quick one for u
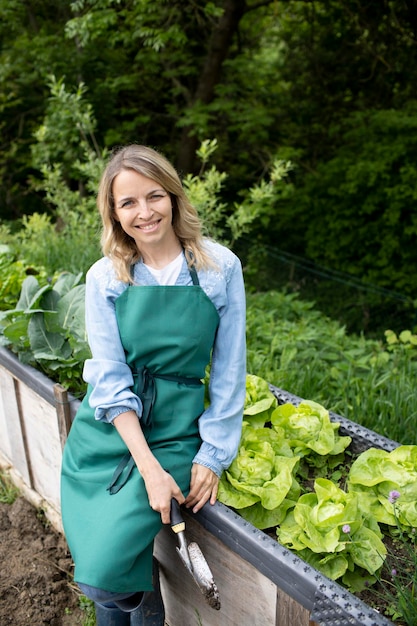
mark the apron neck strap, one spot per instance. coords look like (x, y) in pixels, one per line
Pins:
(194, 275)
(192, 270)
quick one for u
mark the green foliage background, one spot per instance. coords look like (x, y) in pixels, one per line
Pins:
(330, 86)
(294, 132)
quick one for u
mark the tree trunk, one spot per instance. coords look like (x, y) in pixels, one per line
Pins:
(218, 48)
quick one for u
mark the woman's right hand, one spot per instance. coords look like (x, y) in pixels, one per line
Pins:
(160, 485)
(161, 488)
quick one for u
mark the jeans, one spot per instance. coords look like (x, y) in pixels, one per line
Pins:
(101, 596)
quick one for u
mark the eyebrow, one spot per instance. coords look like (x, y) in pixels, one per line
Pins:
(157, 189)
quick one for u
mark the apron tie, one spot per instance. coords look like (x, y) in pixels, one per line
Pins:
(127, 463)
(144, 387)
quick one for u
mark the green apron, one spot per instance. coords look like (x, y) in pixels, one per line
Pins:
(168, 334)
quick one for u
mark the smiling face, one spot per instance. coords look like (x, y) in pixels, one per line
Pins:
(144, 210)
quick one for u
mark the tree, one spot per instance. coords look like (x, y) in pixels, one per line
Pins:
(30, 35)
(267, 79)
(183, 47)
(155, 72)
(346, 99)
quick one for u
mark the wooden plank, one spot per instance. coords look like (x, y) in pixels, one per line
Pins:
(12, 443)
(44, 451)
(289, 612)
(6, 381)
(63, 412)
(247, 597)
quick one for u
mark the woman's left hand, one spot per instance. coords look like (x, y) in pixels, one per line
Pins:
(203, 487)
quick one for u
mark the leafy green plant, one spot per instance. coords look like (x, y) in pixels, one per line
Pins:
(46, 329)
(283, 480)
(87, 606)
(262, 482)
(259, 402)
(393, 591)
(13, 271)
(204, 190)
(70, 163)
(228, 223)
(308, 428)
(296, 347)
(328, 530)
(377, 474)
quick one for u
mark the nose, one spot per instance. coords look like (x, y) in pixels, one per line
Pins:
(144, 212)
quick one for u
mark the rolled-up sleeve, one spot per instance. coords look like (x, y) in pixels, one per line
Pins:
(107, 371)
(221, 423)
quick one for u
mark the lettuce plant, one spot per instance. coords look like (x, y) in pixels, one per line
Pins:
(259, 401)
(328, 529)
(338, 529)
(260, 482)
(377, 474)
(308, 428)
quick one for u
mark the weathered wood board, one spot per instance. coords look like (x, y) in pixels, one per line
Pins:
(43, 444)
(247, 597)
(30, 439)
(12, 442)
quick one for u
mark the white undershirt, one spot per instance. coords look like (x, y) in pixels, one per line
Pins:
(167, 275)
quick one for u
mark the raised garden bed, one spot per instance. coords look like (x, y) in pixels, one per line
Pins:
(260, 582)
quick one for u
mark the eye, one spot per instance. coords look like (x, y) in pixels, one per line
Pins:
(126, 203)
(156, 196)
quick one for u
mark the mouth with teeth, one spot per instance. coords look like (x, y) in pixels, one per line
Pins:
(148, 227)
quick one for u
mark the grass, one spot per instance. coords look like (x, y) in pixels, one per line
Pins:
(8, 491)
(87, 606)
(368, 381)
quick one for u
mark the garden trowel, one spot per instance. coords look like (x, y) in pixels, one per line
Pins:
(193, 559)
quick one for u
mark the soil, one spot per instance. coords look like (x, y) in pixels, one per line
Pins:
(36, 585)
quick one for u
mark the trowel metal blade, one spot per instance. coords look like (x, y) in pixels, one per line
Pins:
(203, 576)
(185, 558)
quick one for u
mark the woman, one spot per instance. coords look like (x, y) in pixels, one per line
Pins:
(161, 304)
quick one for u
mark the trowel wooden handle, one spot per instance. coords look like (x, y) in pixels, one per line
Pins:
(177, 522)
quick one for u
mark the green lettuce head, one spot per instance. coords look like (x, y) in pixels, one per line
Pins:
(376, 474)
(329, 521)
(259, 401)
(308, 427)
(263, 472)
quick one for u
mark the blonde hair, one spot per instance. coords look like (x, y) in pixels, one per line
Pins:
(115, 243)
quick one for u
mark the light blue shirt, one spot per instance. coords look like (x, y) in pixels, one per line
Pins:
(111, 378)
